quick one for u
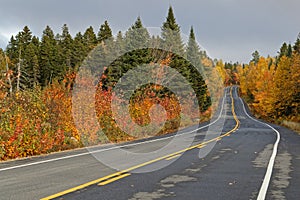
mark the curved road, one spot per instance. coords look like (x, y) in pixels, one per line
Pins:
(249, 160)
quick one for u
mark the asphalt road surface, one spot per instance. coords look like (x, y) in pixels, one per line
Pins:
(234, 156)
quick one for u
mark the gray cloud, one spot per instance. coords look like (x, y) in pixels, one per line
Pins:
(228, 29)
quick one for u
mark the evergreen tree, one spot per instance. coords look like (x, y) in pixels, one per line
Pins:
(17, 51)
(137, 36)
(104, 32)
(297, 45)
(31, 66)
(79, 50)
(89, 39)
(24, 37)
(289, 51)
(119, 44)
(193, 50)
(65, 49)
(36, 42)
(193, 54)
(283, 50)
(171, 34)
(255, 57)
(12, 49)
(19, 43)
(49, 57)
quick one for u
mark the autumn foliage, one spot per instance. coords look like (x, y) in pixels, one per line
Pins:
(271, 86)
(41, 120)
(36, 121)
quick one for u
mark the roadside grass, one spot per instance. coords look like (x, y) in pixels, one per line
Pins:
(292, 125)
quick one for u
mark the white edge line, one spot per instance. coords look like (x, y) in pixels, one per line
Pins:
(115, 147)
(264, 187)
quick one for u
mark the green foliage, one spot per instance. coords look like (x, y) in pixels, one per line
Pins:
(89, 39)
(137, 37)
(38, 118)
(297, 45)
(104, 32)
(272, 88)
(171, 34)
(49, 57)
(255, 57)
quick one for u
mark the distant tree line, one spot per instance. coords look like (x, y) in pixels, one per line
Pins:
(34, 61)
(269, 85)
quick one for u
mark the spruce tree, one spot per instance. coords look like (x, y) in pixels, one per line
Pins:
(12, 49)
(31, 66)
(296, 46)
(255, 57)
(119, 44)
(65, 49)
(289, 51)
(283, 50)
(49, 57)
(79, 51)
(193, 50)
(89, 39)
(137, 36)
(17, 49)
(171, 34)
(104, 32)
(24, 37)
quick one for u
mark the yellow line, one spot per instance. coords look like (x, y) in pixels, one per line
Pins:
(81, 186)
(172, 157)
(113, 179)
(201, 146)
(118, 175)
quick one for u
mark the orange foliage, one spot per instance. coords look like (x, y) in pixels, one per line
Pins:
(272, 91)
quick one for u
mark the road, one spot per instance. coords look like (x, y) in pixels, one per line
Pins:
(249, 160)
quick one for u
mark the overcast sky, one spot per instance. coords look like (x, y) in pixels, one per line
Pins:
(227, 29)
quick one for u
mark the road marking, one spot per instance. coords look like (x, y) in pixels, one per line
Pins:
(201, 146)
(172, 157)
(82, 186)
(125, 172)
(113, 179)
(266, 182)
(116, 147)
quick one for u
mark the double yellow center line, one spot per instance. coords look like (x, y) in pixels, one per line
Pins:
(122, 174)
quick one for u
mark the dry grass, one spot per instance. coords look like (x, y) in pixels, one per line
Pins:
(292, 125)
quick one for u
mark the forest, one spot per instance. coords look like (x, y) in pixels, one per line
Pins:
(38, 76)
(270, 85)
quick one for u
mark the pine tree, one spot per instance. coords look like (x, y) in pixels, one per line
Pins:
(193, 50)
(297, 45)
(79, 51)
(137, 36)
(119, 44)
(20, 42)
(31, 66)
(193, 55)
(65, 49)
(49, 57)
(171, 34)
(104, 32)
(283, 50)
(89, 39)
(289, 51)
(255, 56)
(19, 46)
(12, 49)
